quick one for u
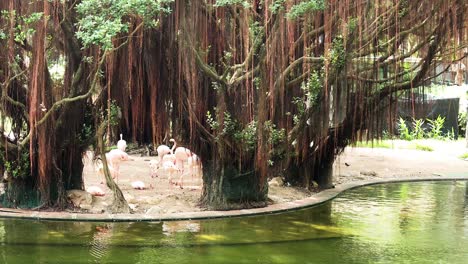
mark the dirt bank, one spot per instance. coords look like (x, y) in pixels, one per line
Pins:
(353, 165)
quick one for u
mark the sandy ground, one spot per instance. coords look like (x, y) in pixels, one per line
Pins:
(364, 163)
(353, 165)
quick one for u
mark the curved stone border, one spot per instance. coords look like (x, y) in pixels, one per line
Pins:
(314, 200)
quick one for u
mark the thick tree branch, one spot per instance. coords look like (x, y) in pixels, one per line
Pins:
(291, 66)
(431, 53)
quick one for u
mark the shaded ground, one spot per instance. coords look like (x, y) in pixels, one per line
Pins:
(354, 164)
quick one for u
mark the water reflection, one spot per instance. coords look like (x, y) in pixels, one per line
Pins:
(407, 222)
(101, 242)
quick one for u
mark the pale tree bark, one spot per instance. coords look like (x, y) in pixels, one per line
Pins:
(119, 204)
(466, 129)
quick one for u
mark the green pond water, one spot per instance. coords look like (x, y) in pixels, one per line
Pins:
(425, 222)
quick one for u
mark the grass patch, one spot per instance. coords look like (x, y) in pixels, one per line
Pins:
(464, 156)
(373, 144)
(417, 146)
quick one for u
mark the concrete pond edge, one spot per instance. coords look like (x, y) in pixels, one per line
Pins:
(314, 200)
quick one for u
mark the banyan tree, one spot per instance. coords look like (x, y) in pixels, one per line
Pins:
(256, 88)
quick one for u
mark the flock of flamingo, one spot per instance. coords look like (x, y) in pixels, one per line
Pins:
(175, 161)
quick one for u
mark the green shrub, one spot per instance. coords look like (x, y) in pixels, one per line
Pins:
(462, 123)
(450, 135)
(387, 135)
(436, 126)
(418, 130)
(404, 130)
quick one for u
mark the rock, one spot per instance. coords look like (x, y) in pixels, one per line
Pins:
(86, 206)
(145, 200)
(6, 175)
(315, 184)
(155, 210)
(130, 198)
(277, 181)
(81, 199)
(369, 173)
(99, 205)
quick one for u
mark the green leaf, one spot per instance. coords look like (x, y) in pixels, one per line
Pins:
(305, 7)
(102, 20)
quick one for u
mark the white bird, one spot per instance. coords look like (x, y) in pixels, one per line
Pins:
(155, 165)
(164, 150)
(122, 144)
(169, 167)
(194, 165)
(169, 157)
(114, 158)
(95, 191)
(138, 185)
(153, 168)
(182, 154)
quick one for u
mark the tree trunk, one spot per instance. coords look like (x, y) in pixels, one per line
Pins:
(324, 174)
(231, 181)
(20, 192)
(225, 187)
(119, 204)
